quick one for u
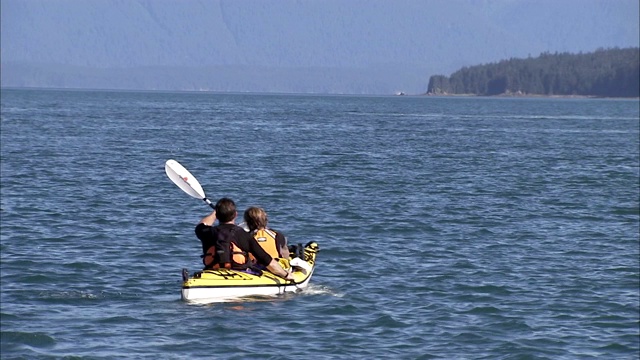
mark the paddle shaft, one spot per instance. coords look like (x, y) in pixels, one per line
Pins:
(209, 203)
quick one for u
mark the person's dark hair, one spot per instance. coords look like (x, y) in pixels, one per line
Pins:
(225, 210)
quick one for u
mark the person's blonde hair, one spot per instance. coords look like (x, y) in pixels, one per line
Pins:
(255, 218)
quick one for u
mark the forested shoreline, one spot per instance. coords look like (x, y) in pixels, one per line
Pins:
(603, 73)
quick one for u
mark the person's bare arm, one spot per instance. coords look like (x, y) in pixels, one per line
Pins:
(284, 250)
(275, 268)
(209, 219)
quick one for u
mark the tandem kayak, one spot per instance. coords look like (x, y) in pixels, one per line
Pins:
(221, 285)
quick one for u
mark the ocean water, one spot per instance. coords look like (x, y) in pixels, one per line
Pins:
(450, 228)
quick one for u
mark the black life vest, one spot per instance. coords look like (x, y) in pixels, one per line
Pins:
(226, 253)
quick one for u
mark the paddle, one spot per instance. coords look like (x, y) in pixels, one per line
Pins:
(185, 181)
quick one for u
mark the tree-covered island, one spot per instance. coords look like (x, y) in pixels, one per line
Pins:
(603, 73)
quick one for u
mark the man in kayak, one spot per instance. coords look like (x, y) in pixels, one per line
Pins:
(229, 246)
(272, 241)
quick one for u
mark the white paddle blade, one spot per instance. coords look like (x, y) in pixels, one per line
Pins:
(183, 178)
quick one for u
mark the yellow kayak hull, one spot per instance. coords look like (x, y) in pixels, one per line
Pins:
(208, 286)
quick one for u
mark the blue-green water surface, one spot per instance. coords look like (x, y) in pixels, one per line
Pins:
(450, 228)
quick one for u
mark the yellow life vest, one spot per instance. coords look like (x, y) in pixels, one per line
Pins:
(267, 239)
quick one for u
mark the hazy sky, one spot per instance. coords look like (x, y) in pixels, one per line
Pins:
(345, 45)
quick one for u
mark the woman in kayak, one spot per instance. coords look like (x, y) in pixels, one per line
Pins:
(273, 242)
(227, 245)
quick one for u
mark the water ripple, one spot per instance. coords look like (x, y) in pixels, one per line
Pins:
(449, 228)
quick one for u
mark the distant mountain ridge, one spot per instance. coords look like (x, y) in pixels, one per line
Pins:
(329, 46)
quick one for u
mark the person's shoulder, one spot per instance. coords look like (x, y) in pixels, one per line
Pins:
(202, 227)
(236, 227)
(245, 239)
(204, 232)
(225, 227)
(277, 232)
(243, 232)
